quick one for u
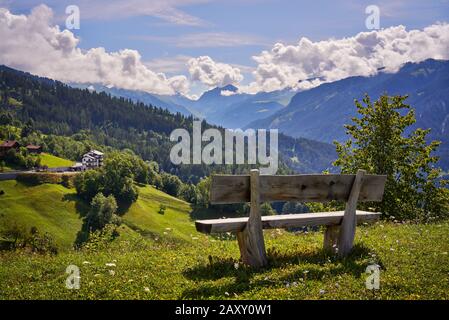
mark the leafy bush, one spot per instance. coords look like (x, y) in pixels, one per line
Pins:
(188, 193)
(203, 188)
(21, 159)
(39, 178)
(41, 243)
(101, 239)
(294, 207)
(171, 184)
(162, 208)
(67, 180)
(266, 209)
(19, 237)
(102, 211)
(88, 184)
(116, 178)
(379, 145)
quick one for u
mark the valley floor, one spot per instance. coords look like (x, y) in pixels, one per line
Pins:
(413, 258)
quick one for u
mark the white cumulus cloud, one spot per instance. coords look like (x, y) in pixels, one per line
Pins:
(212, 73)
(33, 44)
(308, 64)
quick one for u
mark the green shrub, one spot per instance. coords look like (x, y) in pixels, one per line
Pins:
(380, 143)
(102, 238)
(171, 184)
(116, 178)
(102, 211)
(67, 180)
(162, 209)
(39, 178)
(18, 237)
(41, 243)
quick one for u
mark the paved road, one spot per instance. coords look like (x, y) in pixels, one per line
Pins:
(12, 175)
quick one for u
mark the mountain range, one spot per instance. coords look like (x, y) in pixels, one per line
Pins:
(222, 106)
(321, 113)
(58, 109)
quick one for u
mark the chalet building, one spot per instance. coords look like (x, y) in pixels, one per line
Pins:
(93, 159)
(8, 145)
(34, 149)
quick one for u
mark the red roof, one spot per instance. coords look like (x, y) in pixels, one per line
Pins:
(9, 144)
(31, 146)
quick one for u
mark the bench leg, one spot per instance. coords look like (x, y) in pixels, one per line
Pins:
(252, 248)
(331, 235)
(347, 229)
(251, 242)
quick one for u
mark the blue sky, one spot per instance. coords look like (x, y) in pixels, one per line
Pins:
(167, 33)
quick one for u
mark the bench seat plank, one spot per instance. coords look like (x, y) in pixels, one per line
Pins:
(282, 221)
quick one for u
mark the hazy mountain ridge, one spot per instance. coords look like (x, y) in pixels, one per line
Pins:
(218, 106)
(137, 96)
(320, 113)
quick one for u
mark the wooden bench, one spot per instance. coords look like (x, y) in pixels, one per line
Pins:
(253, 188)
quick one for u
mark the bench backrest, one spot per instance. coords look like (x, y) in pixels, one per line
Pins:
(304, 187)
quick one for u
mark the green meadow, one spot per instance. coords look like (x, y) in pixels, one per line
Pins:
(161, 256)
(52, 161)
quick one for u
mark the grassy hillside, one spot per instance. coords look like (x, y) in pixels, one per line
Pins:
(57, 210)
(162, 256)
(144, 218)
(413, 258)
(48, 207)
(52, 161)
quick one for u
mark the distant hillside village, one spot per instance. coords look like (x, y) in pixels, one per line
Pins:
(90, 160)
(13, 144)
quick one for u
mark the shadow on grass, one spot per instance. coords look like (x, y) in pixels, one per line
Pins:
(82, 208)
(218, 268)
(215, 212)
(123, 207)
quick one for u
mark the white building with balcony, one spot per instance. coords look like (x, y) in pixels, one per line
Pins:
(93, 159)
